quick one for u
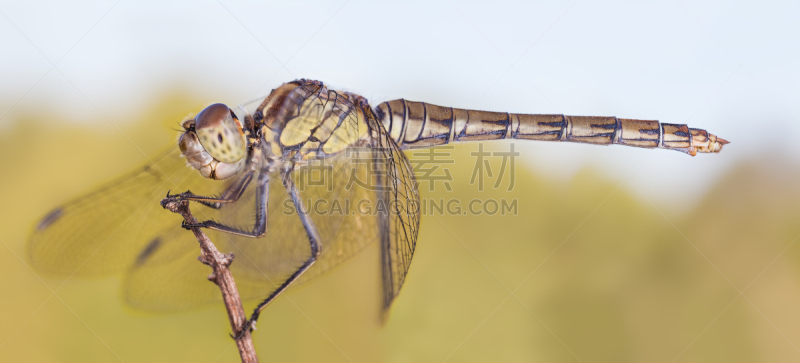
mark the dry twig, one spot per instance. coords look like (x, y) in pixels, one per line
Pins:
(221, 276)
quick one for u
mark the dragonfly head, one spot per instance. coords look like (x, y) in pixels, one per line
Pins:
(214, 142)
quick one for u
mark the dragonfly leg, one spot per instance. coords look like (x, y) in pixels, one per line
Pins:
(260, 227)
(313, 239)
(231, 194)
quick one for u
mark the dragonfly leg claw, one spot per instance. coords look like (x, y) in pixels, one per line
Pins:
(190, 226)
(174, 198)
(249, 325)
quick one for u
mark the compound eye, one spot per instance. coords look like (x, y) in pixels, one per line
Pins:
(220, 133)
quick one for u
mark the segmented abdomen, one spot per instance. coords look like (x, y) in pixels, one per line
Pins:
(419, 124)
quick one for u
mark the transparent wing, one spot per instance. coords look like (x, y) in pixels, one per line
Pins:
(350, 198)
(108, 229)
(357, 196)
(167, 281)
(120, 228)
(261, 265)
(399, 226)
(363, 194)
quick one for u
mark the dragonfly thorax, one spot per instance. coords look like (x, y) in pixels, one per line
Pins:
(214, 142)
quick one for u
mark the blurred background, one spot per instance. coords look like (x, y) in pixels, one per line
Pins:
(616, 254)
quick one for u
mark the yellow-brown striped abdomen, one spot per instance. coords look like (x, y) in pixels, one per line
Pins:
(419, 124)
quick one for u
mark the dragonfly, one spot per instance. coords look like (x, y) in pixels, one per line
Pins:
(263, 172)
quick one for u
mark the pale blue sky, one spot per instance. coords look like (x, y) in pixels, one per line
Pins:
(719, 65)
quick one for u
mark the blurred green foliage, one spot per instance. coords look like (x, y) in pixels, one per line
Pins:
(597, 274)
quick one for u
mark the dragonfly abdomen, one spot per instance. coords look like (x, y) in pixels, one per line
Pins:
(419, 124)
